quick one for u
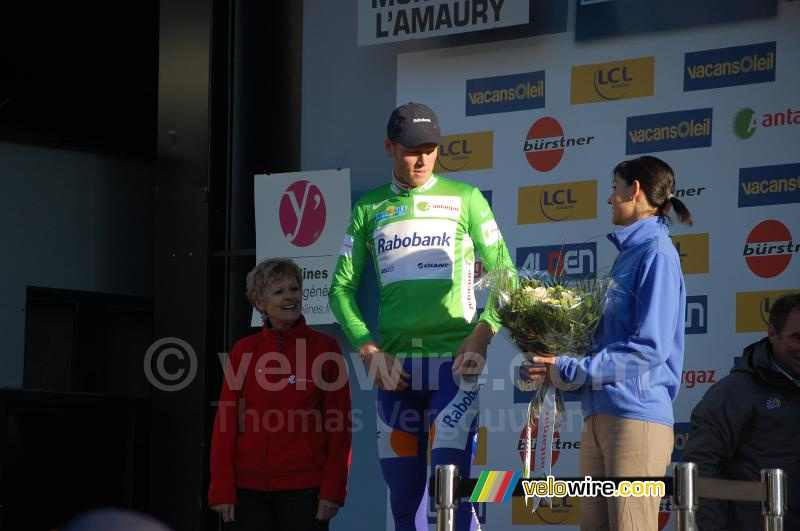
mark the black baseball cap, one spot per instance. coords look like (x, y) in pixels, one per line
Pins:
(413, 124)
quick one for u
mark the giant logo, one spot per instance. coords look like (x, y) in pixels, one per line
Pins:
(727, 67)
(669, 131)
(769, 185)
(696, 314)
(746, 122)
(618, 80)
(545, 144)
(573, 260)
(516, 92)
(557, 202)
(769, 249)
(302, 213)
(466, 152)
(693, 252)
(753, 307)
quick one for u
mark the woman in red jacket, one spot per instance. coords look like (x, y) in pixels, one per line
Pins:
(280, 451)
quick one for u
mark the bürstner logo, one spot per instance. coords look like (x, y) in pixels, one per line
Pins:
(558, 444)
(747, 121)
(618, 80)
(769, 249)
(669, 131)
(727, 67)
(574, 260)
(769, 185)
(545, 144)
(516, 92)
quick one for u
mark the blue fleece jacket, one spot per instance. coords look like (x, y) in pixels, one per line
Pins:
(636, 373)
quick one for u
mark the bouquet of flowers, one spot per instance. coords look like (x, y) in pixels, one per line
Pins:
(546, 315)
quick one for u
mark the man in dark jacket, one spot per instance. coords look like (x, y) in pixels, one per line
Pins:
(750, 420)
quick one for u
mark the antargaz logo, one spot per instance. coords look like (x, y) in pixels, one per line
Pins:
(746, 123)
(557, 202)
(545, 144)
(727, 67)
(769, 249)
(302, 213)
(626, 79)
(692, 378)
(572, 260)
(465, 152)
(769, 185)
(516, 92)
(753, 307)
(669, 131)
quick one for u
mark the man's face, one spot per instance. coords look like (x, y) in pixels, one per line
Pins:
(786, 345)
(412, 165)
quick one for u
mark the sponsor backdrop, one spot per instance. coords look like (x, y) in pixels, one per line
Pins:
(538, 123)
(382, 21)
(302, 215)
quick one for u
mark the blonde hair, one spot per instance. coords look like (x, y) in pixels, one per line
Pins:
(268, 271)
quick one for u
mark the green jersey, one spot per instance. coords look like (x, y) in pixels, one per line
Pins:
(422, 242)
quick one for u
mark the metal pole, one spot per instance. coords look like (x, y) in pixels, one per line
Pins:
(446, 500)
(774, 505)
(686, 495)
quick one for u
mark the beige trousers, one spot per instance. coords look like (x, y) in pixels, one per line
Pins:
(617, 447)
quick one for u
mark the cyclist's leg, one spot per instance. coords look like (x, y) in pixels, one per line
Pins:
(454, 414)
(402, 443)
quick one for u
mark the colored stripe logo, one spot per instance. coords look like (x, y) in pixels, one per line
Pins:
(494, 486)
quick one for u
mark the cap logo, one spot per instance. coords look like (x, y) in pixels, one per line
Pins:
(422, 120)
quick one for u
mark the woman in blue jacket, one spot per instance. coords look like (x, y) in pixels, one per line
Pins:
(628, 386)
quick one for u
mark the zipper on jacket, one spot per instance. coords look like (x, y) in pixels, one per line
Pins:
(280, 342)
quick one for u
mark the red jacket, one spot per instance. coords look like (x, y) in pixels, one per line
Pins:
(284, 419)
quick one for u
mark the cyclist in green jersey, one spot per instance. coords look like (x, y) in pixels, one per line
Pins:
(422, 232)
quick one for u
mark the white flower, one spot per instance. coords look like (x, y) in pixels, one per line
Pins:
(540, 292)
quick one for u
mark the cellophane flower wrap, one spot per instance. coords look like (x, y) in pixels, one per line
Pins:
(546, 315)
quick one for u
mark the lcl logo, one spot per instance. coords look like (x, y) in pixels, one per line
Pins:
(613, 76)
(558, 197)
(455, 148)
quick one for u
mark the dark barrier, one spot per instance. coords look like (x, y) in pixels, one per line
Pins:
(685, 486)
